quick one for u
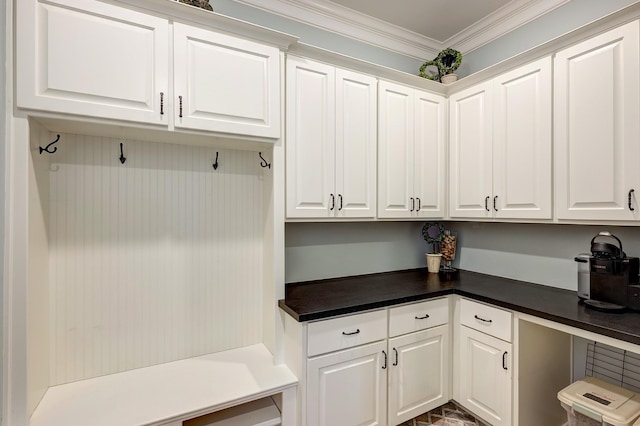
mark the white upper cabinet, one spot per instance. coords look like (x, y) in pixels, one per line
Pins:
(470, 152)
(522, 181)
(597, 131)
(91, 58)
(411, 146)
(331, 142)
(500, 146)
(225, 84)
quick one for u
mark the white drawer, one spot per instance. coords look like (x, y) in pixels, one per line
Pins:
(346, 332)
(418, 316)
(485, 318)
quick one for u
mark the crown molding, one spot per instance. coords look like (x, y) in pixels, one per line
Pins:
(513, 15)
(338, 19)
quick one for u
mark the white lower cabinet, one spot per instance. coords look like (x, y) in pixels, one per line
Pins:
(418, 373)
(348, 388)
(483, 370)
(376, 368)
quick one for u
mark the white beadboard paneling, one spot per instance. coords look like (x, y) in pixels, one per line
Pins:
(154, 260)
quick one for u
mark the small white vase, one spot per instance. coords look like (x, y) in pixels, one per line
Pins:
(449, 78)
(433, 262)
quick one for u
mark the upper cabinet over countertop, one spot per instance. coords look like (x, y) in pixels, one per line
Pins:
(95, 59)
(331, 141)
(500, 146)
(411, 152)
(597, 127)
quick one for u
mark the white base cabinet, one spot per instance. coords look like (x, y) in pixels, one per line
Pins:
(375, 368)
(348, 388)
(485, 376)
(483, 361)
(418, 373)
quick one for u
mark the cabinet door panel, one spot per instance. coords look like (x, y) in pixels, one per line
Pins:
(356, 137)
(484, 376)
(429, 149)
(227, 84)
(596, 126)
(395, 151)
(418, 373)
(522, 142)
(348, 388)
(470, 150)
(91, 58)
(310, 152)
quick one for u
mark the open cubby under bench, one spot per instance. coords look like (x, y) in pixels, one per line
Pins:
(168, 394)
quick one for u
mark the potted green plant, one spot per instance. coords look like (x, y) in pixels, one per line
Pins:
(443, 67)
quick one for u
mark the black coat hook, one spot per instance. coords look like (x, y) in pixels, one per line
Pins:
(264, 162)
(122, 157)
(46, 149)
(215, 164)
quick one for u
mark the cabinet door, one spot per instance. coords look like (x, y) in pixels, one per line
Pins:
(470, 151)
(484, 376)
(91, 58)
(429, 150)
(522, 142)
(356, 137)
(348, 388)
(596, 85)
(225, 84)
(418, 373)
(395, 151)
(310, 153)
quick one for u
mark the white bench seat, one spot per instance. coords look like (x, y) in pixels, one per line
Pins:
(166, 394)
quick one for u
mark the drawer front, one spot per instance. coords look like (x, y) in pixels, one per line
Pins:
(487, 319)
(346, 332)
(418, 316)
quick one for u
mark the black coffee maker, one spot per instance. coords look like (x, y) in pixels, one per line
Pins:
(613, 277)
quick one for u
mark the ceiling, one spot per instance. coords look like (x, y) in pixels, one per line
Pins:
(414, 28)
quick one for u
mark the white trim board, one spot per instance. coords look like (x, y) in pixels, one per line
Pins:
(330, 16)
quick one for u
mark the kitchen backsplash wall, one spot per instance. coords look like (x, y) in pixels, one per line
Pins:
(539, 253)
(153, 260)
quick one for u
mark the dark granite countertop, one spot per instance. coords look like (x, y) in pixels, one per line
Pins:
(320, 299)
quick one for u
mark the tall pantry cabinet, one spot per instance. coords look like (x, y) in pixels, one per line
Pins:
(331, 141)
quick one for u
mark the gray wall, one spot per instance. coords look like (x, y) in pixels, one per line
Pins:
(317, 37)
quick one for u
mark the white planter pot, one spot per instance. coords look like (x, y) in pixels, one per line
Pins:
(433, 262)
